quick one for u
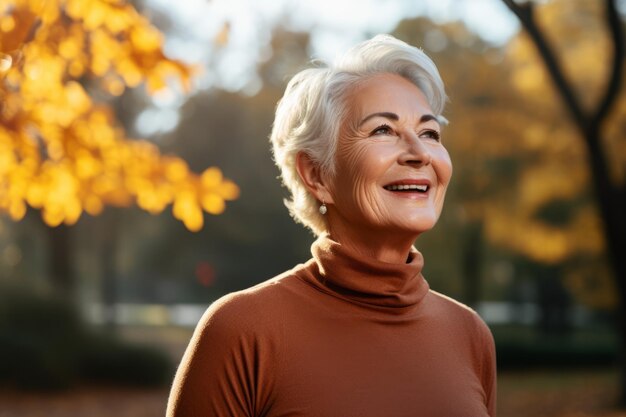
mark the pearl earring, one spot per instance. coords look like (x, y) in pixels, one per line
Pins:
(323, 209)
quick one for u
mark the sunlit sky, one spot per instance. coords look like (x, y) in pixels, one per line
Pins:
(334, 25)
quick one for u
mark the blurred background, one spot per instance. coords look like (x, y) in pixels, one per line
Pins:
(137, 186)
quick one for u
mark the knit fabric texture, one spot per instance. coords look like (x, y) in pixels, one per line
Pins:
(339, 336)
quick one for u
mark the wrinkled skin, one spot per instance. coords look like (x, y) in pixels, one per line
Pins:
(391, 137)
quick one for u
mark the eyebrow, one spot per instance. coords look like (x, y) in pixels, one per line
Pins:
(392, 116)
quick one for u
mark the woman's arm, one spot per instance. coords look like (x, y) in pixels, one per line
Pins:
(216, 375)
(489, 373)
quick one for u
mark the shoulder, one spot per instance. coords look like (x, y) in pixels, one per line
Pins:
(457, 313)
(252, 307)
(468, 328)
(241, 334)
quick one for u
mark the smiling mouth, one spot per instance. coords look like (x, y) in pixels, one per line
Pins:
(420, 188)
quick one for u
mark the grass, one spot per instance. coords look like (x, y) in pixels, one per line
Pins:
(540, 393)
(587, 392)
(558, 393)
(523, 348)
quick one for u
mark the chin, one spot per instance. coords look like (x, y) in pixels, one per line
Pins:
(423, 224)
(424, 229)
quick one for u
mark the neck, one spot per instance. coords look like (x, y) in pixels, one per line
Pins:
(385, 247)
(372, 284)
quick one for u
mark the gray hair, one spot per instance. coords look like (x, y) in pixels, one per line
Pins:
(310, 114)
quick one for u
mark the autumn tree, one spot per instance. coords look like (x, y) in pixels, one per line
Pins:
(521, 184)
(488, 169)
(595, 110)
(61, 150)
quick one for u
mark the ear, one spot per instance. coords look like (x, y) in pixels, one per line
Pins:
(312, 177)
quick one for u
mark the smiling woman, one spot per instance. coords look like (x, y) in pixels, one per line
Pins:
(394, 170)
(355, 331)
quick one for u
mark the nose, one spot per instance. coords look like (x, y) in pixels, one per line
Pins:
(415, 152)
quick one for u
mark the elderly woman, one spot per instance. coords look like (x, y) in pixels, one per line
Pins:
(355, 331)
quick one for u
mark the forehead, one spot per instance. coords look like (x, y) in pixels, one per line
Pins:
(388, 93)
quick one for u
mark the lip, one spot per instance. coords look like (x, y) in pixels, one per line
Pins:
(412, 195)
(417, 181)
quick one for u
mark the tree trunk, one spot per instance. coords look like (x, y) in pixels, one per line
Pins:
(619, 267)
(612, 208)
(108, 226)
(472, 262)
(621, 329)
(61, 271)
(611, 197)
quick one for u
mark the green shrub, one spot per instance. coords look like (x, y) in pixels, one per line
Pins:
(107, 359)
(523, 348)
(44, 344)
(40, 339)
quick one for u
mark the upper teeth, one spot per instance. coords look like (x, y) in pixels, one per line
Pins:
(407, 187)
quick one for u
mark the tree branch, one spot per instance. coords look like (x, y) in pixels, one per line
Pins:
(525, 14)
(615, 80)
(522, 11)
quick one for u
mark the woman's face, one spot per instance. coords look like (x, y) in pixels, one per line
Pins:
(392, 169)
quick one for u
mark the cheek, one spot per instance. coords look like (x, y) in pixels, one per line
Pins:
(347, 182)
(443, 166)
(358, 168)
(352, 166)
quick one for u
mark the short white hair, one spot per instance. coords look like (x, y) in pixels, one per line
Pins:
(310, 114)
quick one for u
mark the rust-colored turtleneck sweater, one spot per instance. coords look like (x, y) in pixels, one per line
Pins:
(339, 336)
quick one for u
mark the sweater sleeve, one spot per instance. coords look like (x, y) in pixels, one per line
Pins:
(218, 374)
(489, 369)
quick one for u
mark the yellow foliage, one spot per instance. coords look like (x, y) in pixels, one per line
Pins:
(213, 204)
(221, 39)
(581, 43)
(543, 183)
(524, 132)
(513, 224)
(524, 235)
(7, 23)
(593, 286)
(62, 153)
(529, 78)
(211, 178)
(615, 143)
(5, 63)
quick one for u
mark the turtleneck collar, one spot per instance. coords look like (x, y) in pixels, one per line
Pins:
(362, 280)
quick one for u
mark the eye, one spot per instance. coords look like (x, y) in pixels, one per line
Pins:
(430, 134)
(382, 130)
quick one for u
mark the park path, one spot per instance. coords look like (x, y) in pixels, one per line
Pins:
(536, 394)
